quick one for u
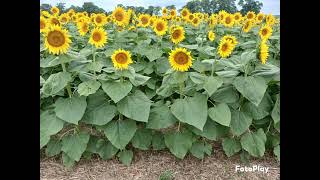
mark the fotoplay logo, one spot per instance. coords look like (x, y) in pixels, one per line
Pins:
(254, 168)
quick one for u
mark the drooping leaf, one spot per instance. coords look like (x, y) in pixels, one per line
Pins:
(231, 146)
(240, 122)
(178, 143)
(74, 145)
(125, 157)
(220, 114)
(117, 90)
(254, 143)
(142, 139)
(71, 109)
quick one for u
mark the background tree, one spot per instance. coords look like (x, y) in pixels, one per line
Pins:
(61, 7)
(250, 5)
(45, 7)
(91, 8)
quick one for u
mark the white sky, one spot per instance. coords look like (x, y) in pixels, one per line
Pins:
(269, 6)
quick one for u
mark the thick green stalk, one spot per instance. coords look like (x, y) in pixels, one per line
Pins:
(68, 85)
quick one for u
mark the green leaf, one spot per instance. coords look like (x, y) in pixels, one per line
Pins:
(247, 56)
(88, 87)
(226, 95)
(220, 114)
(260, 111)
(100, 115)
(276, 152)
(276, 111)
(125, 157)
(50, 124)
(212, 84)
(197, 77)
(135, 106)
(254, 143)
(211, 131)
(120, 132)
(160, 117)
(153, 53)
(252, 88)
(139, 79)
(240, 122)
(191, 110)
(95, 66)
(53, 147)
(231, 146)
(193, 46)
(44, 139)
(106, 150)
(158, 141)
(71, 109)
(142, 139)
(117, 90)
(178, 143)
(56, 82)
(199, 148)
(67, 161)
(74, 145)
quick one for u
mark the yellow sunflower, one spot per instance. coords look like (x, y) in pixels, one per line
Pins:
(211, 35)
(99, 20)
(98, 37)
(221, 15)
(265, 32)
(55, 11)
(83, 28)
(177, 34)
(195, 22)
(185, 13)
(213, 20)
(119, 16)
(45, 14)
(57, 40)
(247, 26)
(190, 17)
(164, 12)
(264, 52)
(225, 48)
(64, 18)
(43, 24)
(231, 38)
(53, 20)
(180, 59)
(250, 15)
(144, 20)
(70, 13)
(121, 59)
(270, 20)
(237, 17)
(259, 17)
(160, 26)
(173, 13)
(228, 20)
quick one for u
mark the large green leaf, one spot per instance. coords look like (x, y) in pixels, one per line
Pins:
(125, 157)
(53, 147)
(158, 141)
(142, 139)
(178, 143)
(211, 131)
(212, 84)
(71, 109)
(276, 152)
(50, 124)
(117, 90)
(220, 114)
(105, 149)
(260, 111)
(135, 106)
(100, 115)
(74, 145)
(56, 82)
(252, 88)
(88, 87)
(225, 95)
(139, 79)
(191, 110)
(153, 53)
(120, 132)
(240, 122)
(44, 139)
(254, 143)
(276, 111)
(67, 161)
(199, 148)
(231, 146)
(160, 117)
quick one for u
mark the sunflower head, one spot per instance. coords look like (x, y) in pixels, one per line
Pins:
(160, 26)
(185, 13)
(99, 20)
(120, 16)
(70, 13)
(250, 15)
(247, 26)
(144, 20)
(221, 15)
(225, 48)
(231, 38)
(64, 18)
(180, 59)
(53, 20)
(265, 32)
(213, 20)
(259, 17)
(173, 13)
(57, 40)
(43, 24)
(270, 20)
(237, 17)
(211, 35)
(55, 11)
(264, 52)
(164, 12)
(98, 37)
(195, 21)
(121, 59)
(228, 20)
(190, 17)
(177, 34)
(83, 28)
(45, 14)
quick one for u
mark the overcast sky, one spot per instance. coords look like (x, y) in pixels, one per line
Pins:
(269, 6)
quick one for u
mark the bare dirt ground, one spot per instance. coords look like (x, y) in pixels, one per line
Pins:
(149, 165)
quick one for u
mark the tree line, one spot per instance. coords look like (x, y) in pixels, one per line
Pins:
(204, 6)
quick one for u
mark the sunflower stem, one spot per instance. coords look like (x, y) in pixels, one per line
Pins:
(68, 84)
(181, 88)
(94, 59)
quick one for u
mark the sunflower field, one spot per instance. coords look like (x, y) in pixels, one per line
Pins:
(111, 84)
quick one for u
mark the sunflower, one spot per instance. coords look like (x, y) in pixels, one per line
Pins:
(259, 17)
(131, 28)
(190, 17)
(99, 20)
(164, 12)
(264, 52)
(225, 48)
(228, 20)
(211, 35)
(43, 24)
(83, 28)
(45, 14)
(55, 11)
(270, 20)
(144, 20)
(177, 34)
(221, 15)
(250, 15)
(195, 22)
(70, 13)
(231, 38)
(185, 13)
(160, 26)
(121, 59)
(53, 20)
(151, 21)
(180, 59)
(213, 20)
(98, 37)
(237, 17)
(247, 26)
(120, 16)
(57, 40)
(265, 32)
(173, 13)
(64, 18)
